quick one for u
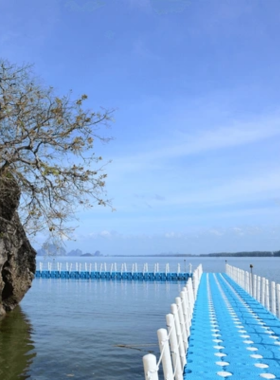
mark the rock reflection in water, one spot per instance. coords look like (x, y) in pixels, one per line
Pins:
(16, 347)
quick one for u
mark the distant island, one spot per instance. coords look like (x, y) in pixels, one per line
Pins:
(218, 254)
(52, 250)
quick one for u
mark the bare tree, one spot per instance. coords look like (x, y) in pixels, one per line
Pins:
(46, 147)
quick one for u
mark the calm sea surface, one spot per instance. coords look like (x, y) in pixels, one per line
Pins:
(97, 329)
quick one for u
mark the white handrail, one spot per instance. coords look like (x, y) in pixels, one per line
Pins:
(176, 340)
(264, 291)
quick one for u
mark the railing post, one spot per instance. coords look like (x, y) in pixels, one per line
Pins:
(188, 306)
(174, 311)
(178, 268)
(248, 287)
(165, 353)
(178, 372)
(251, 281)
(190, 294)
(273, 298)
(263, 291)
(194, 284)
(240, 276)
(185, 313)
(278, 300)
(150, 367)
(259, 289)
(255, 286)
(182, 322)
(267, 294)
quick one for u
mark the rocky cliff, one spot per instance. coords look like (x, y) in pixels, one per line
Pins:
(17, 257)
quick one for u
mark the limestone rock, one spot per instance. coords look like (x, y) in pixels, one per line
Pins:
(17, 257)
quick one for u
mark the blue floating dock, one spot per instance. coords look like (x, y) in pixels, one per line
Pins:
(138, 276)
(232, 335)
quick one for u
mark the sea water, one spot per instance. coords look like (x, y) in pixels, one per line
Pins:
(97, 329)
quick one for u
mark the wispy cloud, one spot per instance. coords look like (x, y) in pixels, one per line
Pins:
(150, 197)
(179, 168)
(249, 188)
(192, 143)
(216, 232)
(105, 234)
(242, 230)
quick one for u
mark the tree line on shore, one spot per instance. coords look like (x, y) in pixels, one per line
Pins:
(245, 254)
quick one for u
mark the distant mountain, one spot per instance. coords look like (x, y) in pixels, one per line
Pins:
(40, 252)
(51, 250)
(78, 252)
(75, 252)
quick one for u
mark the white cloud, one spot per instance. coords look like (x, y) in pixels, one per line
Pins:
(216, 232)
(249, 188)
(193, 143)
(105, 234)
(238, 231)
(154, 165)
(189, 234)
(170, 235)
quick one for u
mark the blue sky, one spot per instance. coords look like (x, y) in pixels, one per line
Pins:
(195, 84)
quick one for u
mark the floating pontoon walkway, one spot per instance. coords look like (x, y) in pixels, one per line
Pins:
(147, 276)
(232, 335)
(217, 330)
(102, 273)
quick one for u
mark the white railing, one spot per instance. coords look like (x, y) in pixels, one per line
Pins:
(173, 342)
(264, 291)
(102, 267)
